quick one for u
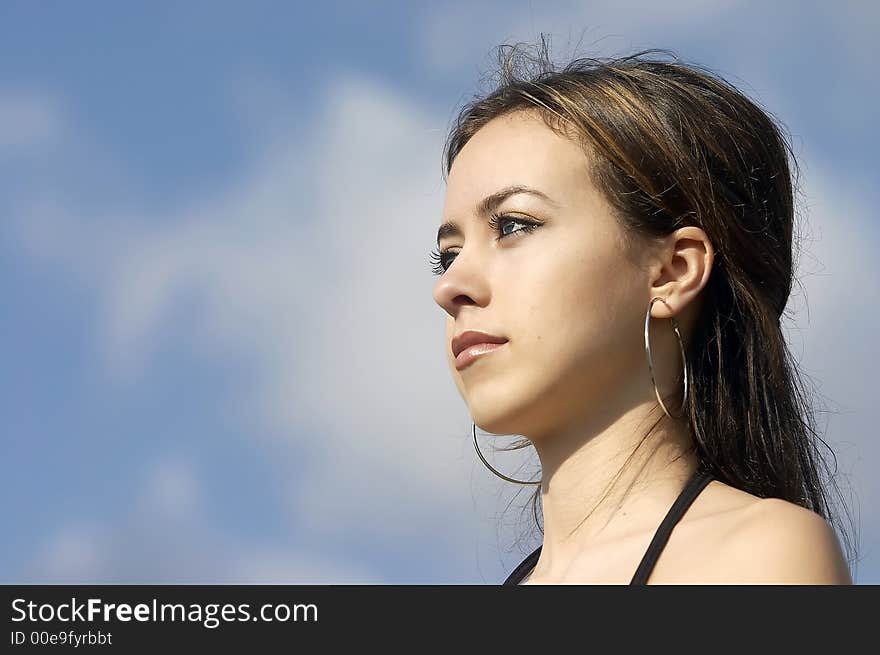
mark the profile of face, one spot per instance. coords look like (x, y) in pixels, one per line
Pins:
(552, 275)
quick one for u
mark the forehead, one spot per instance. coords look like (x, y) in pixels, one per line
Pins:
(517, 148)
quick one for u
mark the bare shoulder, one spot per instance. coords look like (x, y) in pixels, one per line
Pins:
(778, 542)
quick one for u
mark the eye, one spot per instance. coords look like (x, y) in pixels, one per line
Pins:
(442, 260)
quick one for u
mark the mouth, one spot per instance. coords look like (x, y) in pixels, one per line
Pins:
(469, 355)
(471, 344)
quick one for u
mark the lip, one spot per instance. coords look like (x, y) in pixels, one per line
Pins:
(468, 355)
(470, 344)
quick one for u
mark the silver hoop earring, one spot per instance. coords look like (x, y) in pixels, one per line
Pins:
(651, 360)
(490, 467)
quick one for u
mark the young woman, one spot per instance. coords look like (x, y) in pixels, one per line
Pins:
(614, 261)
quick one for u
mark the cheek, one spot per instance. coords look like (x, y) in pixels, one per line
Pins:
(573, 290)
(577, 310)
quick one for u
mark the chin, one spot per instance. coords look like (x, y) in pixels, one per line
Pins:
(497, 417)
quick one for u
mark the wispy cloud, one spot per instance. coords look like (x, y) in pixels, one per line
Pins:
(28, 120)
(307, 268)
(165, 540)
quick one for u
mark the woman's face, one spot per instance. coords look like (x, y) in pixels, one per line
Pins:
(566, 297)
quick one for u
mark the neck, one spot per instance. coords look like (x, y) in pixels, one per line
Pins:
(592, 494)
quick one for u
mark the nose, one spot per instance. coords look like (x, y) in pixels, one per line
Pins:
(463, 283)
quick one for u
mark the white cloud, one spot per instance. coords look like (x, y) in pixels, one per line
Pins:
(173, 489)
(456, 36)
(832, 327)
(312, 268)
(280, 566)
(28, 120)
(74, 552)
(164, 540)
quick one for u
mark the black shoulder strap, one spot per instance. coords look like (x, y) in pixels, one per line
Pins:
(524, 567)
(695, 485)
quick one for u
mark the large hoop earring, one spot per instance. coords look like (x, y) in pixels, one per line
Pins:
(491, 468)
(651, 360)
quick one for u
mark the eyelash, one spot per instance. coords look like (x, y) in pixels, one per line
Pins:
(439, 264)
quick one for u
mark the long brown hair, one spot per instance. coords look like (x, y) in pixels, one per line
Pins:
(674, 144)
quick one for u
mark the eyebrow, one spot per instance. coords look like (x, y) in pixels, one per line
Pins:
(488, 204)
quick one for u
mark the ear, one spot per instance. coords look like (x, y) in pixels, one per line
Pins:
(680, 269)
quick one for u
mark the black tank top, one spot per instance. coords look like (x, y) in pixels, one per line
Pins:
(692, 489)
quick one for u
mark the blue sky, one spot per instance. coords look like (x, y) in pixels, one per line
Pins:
(212, 213)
